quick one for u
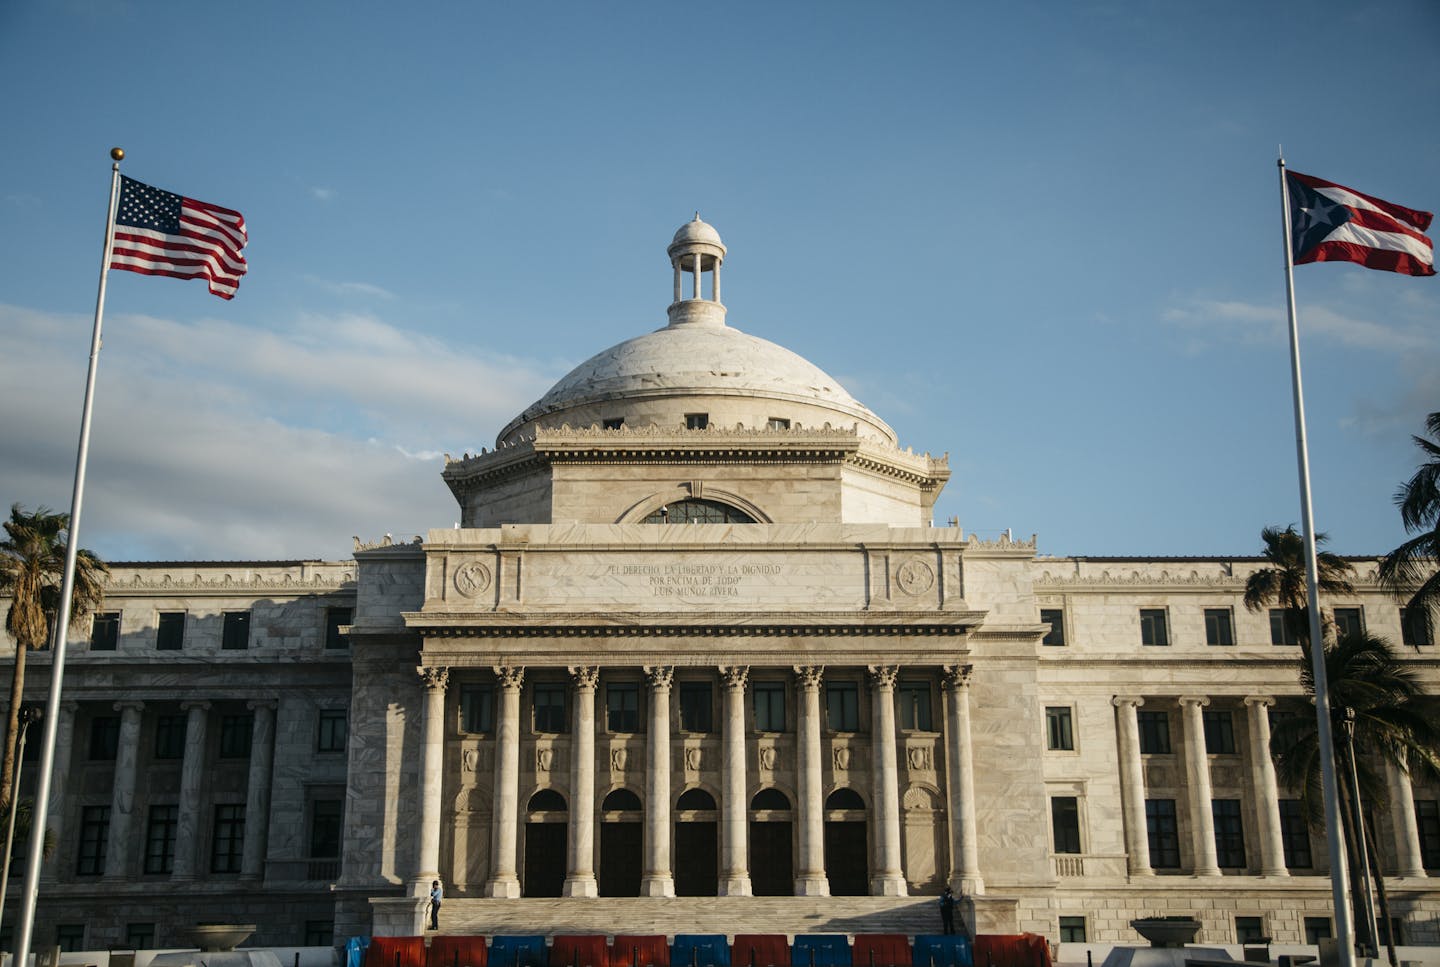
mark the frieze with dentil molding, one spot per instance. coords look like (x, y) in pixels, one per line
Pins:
(1363, 580)
(229, 582)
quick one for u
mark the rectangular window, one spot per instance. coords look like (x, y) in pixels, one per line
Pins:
(622, 707)
(170, 631)
(227, 847)
(1427, 819)
(70, 937)
(160, 839)
(1219, 732)
(769, 702)
(695, 707)
(1163, 833)
(549, 710)
(1154, 732)
(1072, 930)
(94, 836)
(1065, 822)
(105, 631)
(1055, 618)
(170, 736)
(140, 936)
(335, 619)
(1349, 621)
(777, 423)
(914, 706)
(1219, 627)
(697, 421)
(1414, 627)
(1059, 736)
(325, 824)
(332, 730)
(1249, 930)
(104, 737)
(1316, 930)
(477, 709)
(1295, 835)
(1282, 627)
(236, 635)
(1153, 628)
(613, 423)
(842, 707)
(319, 933)
(235, 733)
(1229, 833)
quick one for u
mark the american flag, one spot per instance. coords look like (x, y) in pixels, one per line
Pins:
(158, 232)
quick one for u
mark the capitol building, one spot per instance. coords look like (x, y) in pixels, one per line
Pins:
(696, 649)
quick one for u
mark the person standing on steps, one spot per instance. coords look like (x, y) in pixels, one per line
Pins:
(947, 911)
(437, 894)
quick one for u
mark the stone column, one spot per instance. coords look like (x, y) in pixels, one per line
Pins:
(679, 292)
(1132, 784)
(432, 755)
(715, 277)
(889, 876)
(60, 773)
(257, 798)
(1267, 792)
(1197, 780)
(122, 802)
(192, 781)
(810, 879)
(965, 878)
(1408, 858)
(698, 292)
(659, 879)
(734, 803)
(505, 805)
(580, 858)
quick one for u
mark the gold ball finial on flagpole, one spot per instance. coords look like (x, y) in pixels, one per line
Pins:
(117, 154)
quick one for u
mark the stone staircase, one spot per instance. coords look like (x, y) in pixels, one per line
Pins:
(703, 915)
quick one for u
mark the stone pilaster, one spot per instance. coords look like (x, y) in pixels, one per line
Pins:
(59, 776)
(1132, 784)
(965, 876)
(123, 832)
(810, 879)
(1197, 781)
(888, 878)
(192, 782)
(504, 829)
(432, 755)
(734, 803)
(257, 796)
(659, 878)
(1265, 789)
(580, 855)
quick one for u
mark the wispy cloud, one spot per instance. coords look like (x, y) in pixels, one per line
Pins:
(364, 289)
(1251, 323)
(322, 194)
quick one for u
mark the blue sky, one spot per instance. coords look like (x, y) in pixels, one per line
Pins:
(1041, 237)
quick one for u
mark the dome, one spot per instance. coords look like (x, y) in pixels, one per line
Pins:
(697, 231)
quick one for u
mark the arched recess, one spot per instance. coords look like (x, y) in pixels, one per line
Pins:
(846, 837)
(641, 509)
(545, 836)
(467, 843)
(925, 841)
(697, 844)
(772, 844)
(622, 842)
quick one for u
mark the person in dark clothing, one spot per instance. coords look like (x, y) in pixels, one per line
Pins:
(437, 893)
(947, 911)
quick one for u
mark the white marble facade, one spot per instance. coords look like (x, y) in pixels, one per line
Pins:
(697, 635)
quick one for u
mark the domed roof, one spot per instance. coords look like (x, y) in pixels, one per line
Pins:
(697, 231)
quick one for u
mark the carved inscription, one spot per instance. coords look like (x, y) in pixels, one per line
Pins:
(695, 580)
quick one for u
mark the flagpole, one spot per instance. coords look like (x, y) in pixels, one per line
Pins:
(1334, 834)
(40, 814)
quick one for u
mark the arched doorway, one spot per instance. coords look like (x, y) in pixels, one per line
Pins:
(846, 856)
(697, 846)
(545, 826)
(772, 865)
(621, 844)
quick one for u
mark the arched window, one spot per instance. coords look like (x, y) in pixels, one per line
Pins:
(547, 800)
(844, 799)
(770, 798)
(692, 511)
(621, 799)
(695, 799)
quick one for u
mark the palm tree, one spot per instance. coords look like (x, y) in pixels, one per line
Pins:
(1378, 696)
(32, 564)
(1283, 582)
(1411, 570)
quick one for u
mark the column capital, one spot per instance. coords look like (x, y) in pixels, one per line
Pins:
(584, 676)
(735, 676)
(1120, 701)
(433, 677)
(883, 676)
(203, 706)
(511, 676)
(956, 676)
(659, 676)
(69, 706)
(809, 676)
(1199, 700)
(134, 705)
(1264, 701)
(256, 704)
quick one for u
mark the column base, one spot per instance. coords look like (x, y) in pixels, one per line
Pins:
(1282, 871)
(972, 884)
(663, 886)
(419, 886)
(503, 888)
(1142, 871)
(812, 885)
(580, 886)
(888, 885)
(735, 886)
(1214, 871)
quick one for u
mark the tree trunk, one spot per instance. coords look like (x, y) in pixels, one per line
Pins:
(1386, 931)
(12, 726)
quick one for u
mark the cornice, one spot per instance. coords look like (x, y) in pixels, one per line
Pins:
(1366, 580)
(571, 624)
(230, 583)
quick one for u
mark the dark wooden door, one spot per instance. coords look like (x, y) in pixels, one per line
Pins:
(697, 863)
(544, 859)
(846, 858)
(771, 865)
(620, 858)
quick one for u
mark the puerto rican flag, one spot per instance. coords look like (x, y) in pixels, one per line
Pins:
(1330, 223)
